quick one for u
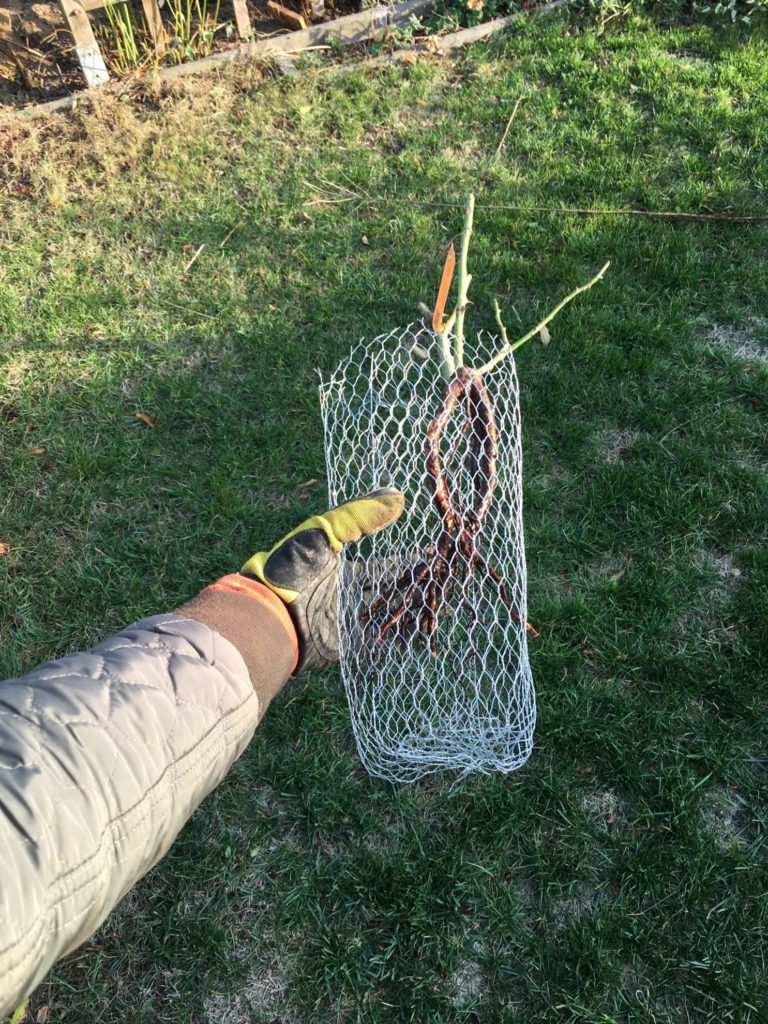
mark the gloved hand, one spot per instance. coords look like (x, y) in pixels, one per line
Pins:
(303, 567)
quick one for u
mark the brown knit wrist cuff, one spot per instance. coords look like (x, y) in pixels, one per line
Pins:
(258, 592)
(256, 621)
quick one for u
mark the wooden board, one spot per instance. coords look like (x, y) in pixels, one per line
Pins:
(155, 26)
(286, 16)
(86, 48)
(242, 19)
(97, 5)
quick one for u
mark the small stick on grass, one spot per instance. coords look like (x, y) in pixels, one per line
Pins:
(227, 237)
(197, 253)
(512, 117)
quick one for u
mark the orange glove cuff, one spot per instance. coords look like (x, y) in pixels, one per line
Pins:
(263, 596)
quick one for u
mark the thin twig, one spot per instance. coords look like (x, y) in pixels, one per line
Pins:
(10, 50)
(509, 125)
(579, 211)
(509, 348)
(186, 309)
(227, 237)
(502, 328)
(197, 253)
(333, 194)
(588, 212)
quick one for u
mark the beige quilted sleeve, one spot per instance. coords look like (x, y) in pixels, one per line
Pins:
(103, 757)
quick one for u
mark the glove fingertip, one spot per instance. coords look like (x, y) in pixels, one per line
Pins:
(377, 509)
(392, 501)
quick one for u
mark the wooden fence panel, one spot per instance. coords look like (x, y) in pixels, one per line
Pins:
(86, 48)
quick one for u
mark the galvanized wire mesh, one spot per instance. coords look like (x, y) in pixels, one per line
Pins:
(447, 685)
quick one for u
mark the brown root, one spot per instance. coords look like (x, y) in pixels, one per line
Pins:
(416, 598)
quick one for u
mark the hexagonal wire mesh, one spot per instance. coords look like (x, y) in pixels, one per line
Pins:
(433, 649)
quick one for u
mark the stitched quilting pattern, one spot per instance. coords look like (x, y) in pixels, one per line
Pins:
(95, 783)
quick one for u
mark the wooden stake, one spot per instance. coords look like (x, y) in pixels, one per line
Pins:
(287, 17)
(155, 26)
(151, 14)
(86, 48)
(242, 19)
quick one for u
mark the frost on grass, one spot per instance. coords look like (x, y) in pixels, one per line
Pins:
(706, 621)
(604, 809)
(724, 564)
(693, 629)
(616, 443)
(557, 476)
(418, 115)
(722, 812)
(583, 904)
(741, 342)
(265, 992)
(690, 58)
(723, 577)
(610, 565)
(467, 983)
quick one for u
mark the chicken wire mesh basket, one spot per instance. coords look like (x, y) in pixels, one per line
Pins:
(432, 612)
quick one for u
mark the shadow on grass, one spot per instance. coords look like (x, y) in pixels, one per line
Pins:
(303, 889)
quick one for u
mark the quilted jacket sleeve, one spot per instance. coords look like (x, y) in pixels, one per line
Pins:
(103, 757)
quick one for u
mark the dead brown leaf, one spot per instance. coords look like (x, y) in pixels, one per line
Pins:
(8, 412)
(364, 240)
(445, 286)
(4, 548)
(34, 453)
(43, 1014)
(545, 336)
(308, 483)
(145, 418)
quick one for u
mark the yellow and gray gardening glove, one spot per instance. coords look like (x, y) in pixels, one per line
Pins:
(303, 568)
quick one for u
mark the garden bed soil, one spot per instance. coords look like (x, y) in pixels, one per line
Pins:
(37, 61)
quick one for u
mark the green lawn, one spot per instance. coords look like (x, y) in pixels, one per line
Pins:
(621, 875)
